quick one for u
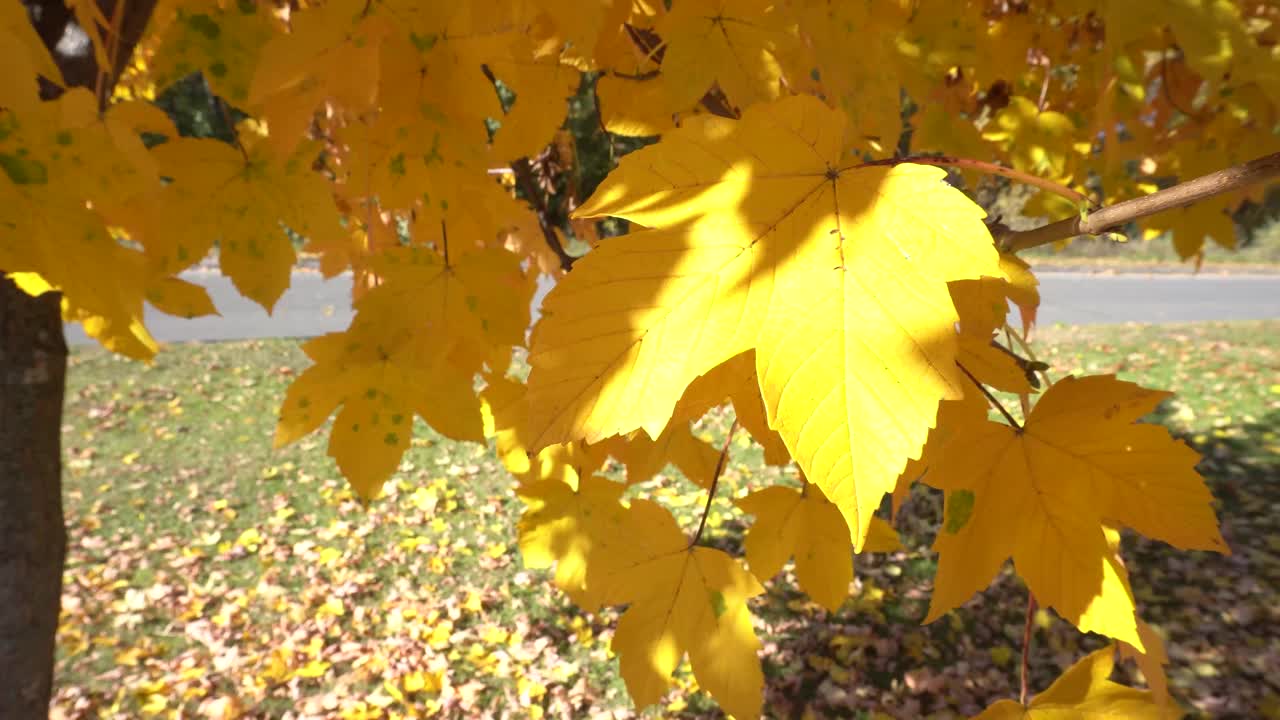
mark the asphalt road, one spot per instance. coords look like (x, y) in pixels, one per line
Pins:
(313, 305)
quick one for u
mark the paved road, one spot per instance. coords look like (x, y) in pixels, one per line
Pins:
(315, 305)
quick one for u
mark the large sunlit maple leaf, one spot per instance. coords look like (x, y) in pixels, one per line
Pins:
(683, 599)
(1040, 494)
(770, 238)
(1085, 691)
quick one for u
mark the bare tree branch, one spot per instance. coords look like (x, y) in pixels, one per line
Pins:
(524, 179)
(1181, 195)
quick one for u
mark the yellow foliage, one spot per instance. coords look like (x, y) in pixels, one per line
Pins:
(1084, 690)
(764, 240)
(1040, 494)
(852, 310)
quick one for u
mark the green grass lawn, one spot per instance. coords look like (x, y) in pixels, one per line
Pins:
(209, 574)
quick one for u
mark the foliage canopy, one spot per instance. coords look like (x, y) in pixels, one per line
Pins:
(797, 252)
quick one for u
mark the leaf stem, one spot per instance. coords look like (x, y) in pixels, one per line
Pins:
(444, 240)
(715, 482)
(1026, 647)
(990, 398)
(1023, 345)
(991, 169)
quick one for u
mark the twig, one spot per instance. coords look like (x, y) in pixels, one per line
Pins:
(990, 398)
(1026, 647)
(1098, 221)
(523, 170)
(991, 169)
(1044, 87)
(715, 483)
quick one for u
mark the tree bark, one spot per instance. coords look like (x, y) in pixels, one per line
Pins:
(33, 365)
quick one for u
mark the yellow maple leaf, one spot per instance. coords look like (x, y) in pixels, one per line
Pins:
(982, 305)
(645, 457)
(1039, 494)
(854, 58)
(1190, 226)
(834, 273)
(1037, 142)
(379, 386)
(181, 298)
(223, 40)
(65, 172)
(634, 106)
(504, 410)
(24, 56)
(1151, 662)
(683, 599)
(331, 53)
(542, 84)
(240, 201)
(803, 523)
(1084, 690)
(740, 44)
(570, 529)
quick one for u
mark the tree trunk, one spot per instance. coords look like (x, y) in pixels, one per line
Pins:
(33, 541)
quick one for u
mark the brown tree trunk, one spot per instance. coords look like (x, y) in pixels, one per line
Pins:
(33, 366)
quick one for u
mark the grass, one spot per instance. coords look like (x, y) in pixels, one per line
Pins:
(210, 574)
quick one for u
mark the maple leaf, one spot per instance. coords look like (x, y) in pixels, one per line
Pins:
(1151, 662)
(240, 201)
(804, 524)
(683, 599)
(835, 274)
(982, 305)
(741, 45)
(645, 457)
(542, 84)
(390, 365)
(23, 56)
(853, 47)
(1084, 691)
(1037, 141)
(221, 40)
(571, 528)
(1191, 225)
(67, 175)
(330, 53)
(504, 412)
(1042, 492)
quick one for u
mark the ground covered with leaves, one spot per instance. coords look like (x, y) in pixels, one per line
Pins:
(210, 576)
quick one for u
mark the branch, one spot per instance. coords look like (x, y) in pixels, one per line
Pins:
(524, 178)
(1181, 195)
